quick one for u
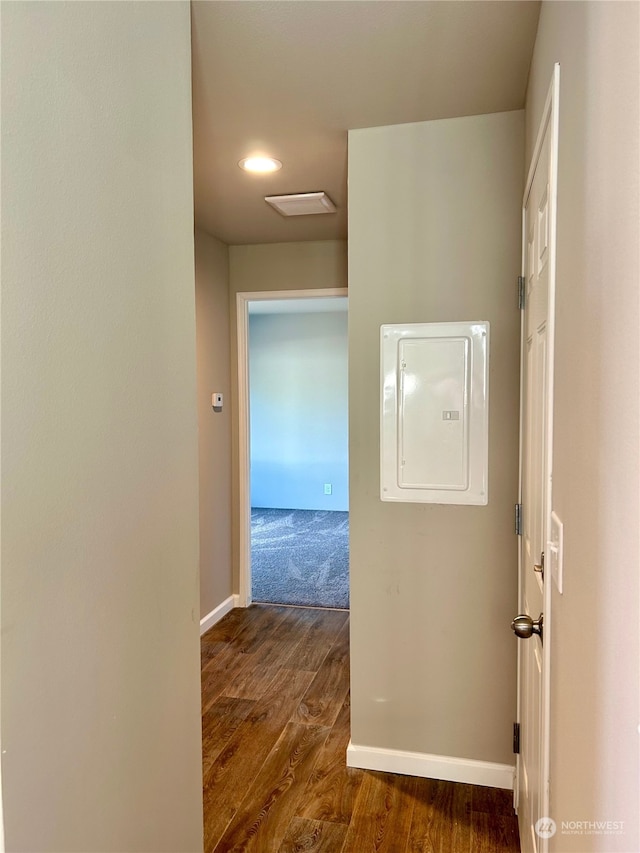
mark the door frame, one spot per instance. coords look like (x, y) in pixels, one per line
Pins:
(549, 119)
(244, 449)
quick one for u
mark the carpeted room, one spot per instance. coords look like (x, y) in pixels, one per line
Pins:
(299, 453)
(300, 557)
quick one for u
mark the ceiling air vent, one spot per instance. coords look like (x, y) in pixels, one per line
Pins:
(301, 204)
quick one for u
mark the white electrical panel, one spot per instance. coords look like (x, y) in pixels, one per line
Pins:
(434, 424)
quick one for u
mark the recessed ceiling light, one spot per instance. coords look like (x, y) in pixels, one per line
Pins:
(260, 165)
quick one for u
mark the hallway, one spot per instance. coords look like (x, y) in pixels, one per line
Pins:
(275, 722)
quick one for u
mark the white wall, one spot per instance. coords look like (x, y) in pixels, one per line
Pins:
(434, 235)
(298, 401)
(214, 428)
(595, 764)
(100, 663)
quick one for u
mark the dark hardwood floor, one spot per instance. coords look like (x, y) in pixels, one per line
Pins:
(275, 728)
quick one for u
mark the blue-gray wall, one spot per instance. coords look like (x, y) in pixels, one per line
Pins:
(298, 403)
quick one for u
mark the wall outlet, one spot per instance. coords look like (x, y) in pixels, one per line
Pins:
(327, 488)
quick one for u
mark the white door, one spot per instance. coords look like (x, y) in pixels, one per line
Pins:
(536, 434)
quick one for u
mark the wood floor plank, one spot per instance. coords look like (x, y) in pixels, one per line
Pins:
(209, 650)
(382, 815)
(332, 788)
(492, 801)
(494, 834)
(260, 623)
(313, 836)
(283, 645)
(240, 761)
(267, 622)
(252, 679)
(219, 724)
(290, 668)
(322, 702)
(276, 650)
(261, 821)
(322, 634)
(219, 672)
(236, 620)
(441, 821)
(229, 664)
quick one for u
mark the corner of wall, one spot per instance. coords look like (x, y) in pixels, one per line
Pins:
(214, 427)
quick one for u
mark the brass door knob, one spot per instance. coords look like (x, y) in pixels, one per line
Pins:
(523, 626)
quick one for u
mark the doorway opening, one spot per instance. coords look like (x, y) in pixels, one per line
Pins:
(294, 525)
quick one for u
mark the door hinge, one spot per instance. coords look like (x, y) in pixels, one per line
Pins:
(518, 519)
(516, 738)
(521, 292)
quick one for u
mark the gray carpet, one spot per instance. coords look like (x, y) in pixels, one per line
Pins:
(300, 556)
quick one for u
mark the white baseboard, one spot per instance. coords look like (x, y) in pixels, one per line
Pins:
(217, 613)
(431, 766)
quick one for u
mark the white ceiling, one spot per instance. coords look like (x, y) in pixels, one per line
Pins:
(289, 78)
